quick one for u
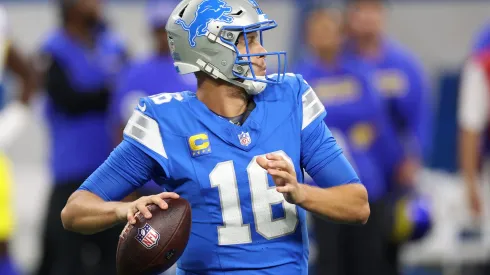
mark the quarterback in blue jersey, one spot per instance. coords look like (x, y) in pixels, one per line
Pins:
(236, 150)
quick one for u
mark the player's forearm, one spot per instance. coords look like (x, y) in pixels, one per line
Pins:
(469, 156)
(86, 213)
(346, 203)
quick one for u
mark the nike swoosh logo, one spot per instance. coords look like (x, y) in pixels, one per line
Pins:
(142, 108)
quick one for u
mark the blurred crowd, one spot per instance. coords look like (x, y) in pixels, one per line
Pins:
(375, 90)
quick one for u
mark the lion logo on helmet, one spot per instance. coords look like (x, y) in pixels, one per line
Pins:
(206, 12)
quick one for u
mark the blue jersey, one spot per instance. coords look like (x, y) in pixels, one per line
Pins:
(356, 119)
(240, 223)
(399, 77)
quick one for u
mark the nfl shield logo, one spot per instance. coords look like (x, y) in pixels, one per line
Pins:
(244, 138)
(148, 236)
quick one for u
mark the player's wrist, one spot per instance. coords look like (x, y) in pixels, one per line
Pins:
(302, 198)
(120, 211)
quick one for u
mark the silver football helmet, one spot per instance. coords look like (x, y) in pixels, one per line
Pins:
(203, 35)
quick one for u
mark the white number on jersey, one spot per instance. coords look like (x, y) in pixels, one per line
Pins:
(166, 97)
(263, 197)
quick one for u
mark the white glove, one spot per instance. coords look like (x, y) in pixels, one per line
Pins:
(13, 118)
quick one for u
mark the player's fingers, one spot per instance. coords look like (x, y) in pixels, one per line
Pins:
(282, 174)
(159, 201)
(263, 163)
(278, 181)
(280, 164)
(168, 195)
(284, 189)
(142, 207)
(130, 216)
(287, 178)
(272, 156)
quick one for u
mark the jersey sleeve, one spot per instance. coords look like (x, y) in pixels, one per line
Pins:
(323, 159)
(311, 108)
(144, 131)
(126, 169)
(321, 156)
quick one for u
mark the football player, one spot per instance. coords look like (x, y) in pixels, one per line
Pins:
(235, 149)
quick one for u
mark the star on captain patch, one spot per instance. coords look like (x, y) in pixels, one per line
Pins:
(244, 138)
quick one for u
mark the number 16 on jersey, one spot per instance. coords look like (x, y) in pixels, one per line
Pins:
(263, 197)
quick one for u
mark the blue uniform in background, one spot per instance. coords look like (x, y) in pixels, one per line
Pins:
(240, 223)
(356, 119)
(402, 84)
(74, 115)
(78, 81)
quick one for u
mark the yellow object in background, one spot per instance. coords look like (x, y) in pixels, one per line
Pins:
(6, 211)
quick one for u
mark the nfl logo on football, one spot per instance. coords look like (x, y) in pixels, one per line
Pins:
(148, 236)
(244, 138)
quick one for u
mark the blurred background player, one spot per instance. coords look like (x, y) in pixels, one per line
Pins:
(12, 118)
(79, 63)
(152, 75)
(474, 135)
(357, 121)
(473, 118)
(399, 77)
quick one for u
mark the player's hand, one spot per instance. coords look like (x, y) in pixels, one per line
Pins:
(284, 177)
(127, 211)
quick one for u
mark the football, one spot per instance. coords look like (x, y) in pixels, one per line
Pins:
(154, 245)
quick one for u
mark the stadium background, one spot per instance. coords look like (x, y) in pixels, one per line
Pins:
(439, 32)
